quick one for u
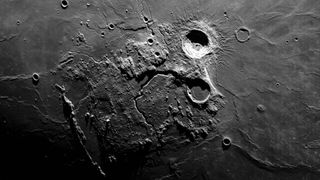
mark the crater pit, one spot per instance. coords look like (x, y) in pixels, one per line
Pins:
(196, 44)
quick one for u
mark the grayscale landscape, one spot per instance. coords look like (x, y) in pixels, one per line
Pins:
(160, 89)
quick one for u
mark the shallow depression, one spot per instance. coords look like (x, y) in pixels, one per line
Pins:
(242, 34)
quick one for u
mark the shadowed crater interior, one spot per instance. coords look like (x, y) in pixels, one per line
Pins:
(196, 36)
(64, 4)
(199, 89)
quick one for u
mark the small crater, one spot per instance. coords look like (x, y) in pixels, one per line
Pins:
(261, 108)
(35, 78)
(199, 37)
(111, 26)
(242, 34)
(87, 23)
(198, 90)
(64, 4)
(150, 41)
(226, 143)
(157, 54)
(145, 19)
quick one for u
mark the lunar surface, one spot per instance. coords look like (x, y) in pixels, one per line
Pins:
(160, 89)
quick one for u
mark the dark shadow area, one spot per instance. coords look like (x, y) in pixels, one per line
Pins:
(36, 157)
(199, 88)
(64, 4)
(196, 36)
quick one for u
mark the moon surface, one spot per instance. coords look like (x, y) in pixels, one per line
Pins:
(170, 89)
